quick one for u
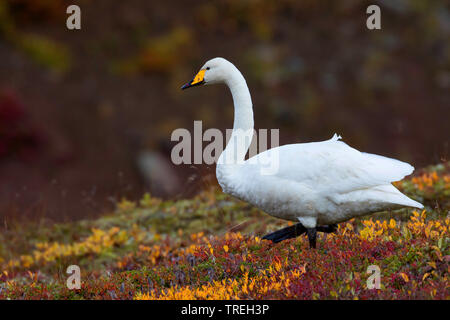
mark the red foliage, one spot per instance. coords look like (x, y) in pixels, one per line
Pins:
(18, 136)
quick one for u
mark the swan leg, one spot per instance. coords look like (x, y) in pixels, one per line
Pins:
(312, 234)
(286, 233)
(297, 230)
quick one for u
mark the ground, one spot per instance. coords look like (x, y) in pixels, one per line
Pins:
(210, 247)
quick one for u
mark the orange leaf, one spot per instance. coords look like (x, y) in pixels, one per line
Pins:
(404, 276)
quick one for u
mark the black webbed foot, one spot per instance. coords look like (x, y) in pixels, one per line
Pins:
(297, 230)
(286, 233)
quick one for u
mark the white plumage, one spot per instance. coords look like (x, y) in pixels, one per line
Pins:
(317, 183)
(320, 183)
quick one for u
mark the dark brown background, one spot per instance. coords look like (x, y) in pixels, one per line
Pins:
(78, 107)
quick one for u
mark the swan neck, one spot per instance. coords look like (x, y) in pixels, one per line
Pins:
(242, 134)
(243, 109)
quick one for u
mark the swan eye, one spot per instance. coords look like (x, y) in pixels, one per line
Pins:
(207, 68)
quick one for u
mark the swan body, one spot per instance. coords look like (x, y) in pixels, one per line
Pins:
(320, 183)
(317, 183)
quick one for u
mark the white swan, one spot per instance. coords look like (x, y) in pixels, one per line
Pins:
(317, 184)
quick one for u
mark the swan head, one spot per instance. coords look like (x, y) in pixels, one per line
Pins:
(216, 70)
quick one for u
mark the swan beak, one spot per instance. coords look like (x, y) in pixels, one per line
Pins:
(198, 80)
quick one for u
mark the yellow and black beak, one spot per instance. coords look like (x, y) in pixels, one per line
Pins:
(198, 80)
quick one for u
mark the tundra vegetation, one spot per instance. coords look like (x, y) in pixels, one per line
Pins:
(209, 247)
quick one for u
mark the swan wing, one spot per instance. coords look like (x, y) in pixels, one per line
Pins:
(333, 166)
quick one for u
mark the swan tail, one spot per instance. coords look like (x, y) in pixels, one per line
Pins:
(379, 198)
(415, 204)
(406, 201)
(393, 195)
(387, 169)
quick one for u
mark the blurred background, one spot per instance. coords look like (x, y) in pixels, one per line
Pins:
(86, 115)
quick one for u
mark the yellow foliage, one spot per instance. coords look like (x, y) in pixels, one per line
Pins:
(46, 252)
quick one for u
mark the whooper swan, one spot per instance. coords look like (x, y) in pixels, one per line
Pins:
(317, 184)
